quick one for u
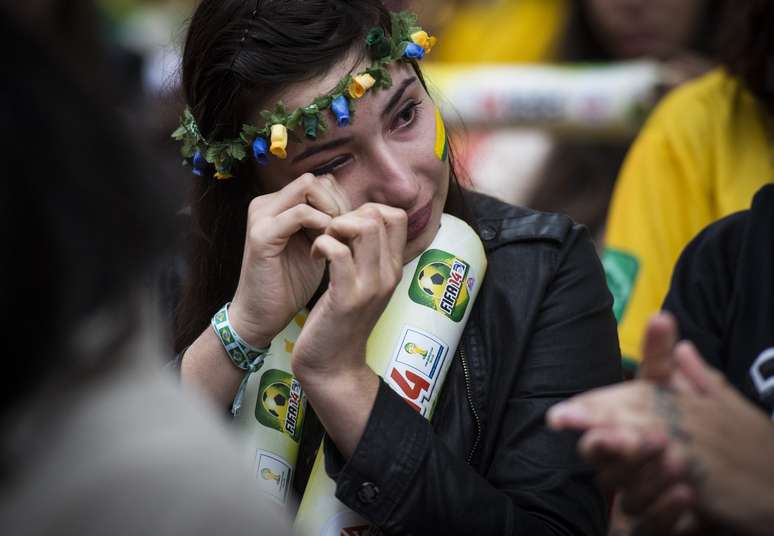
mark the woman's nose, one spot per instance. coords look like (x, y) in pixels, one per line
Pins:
(393, 181)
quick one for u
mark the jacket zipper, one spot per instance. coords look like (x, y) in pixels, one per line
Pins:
(468, 393)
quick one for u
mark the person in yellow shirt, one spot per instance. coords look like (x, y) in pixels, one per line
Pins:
(580, 172)
(702, 155)
(500, 31)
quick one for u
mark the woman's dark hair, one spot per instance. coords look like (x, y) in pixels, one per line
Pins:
(237, 53)
(747, 50)
(83, 215)
(580, 43)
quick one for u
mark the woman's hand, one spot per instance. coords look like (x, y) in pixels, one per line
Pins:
(364, 249)
(278, 276)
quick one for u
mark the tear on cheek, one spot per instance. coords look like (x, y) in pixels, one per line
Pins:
(441, 141)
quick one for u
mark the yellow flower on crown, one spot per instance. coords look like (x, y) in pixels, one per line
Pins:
(425, 41)
(360, 84)
(220, 172)
(279, 141)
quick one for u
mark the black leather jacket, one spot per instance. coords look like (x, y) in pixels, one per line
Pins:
(541, 331)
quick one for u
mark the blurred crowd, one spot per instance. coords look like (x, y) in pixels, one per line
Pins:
(695, 147)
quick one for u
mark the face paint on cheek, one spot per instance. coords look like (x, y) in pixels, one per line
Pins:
(441, 141)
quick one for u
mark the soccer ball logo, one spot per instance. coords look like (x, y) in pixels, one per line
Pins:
(275, 399)
(441, 282)
(432, 279)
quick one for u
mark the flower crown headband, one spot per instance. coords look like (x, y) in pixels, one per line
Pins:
(407, 41)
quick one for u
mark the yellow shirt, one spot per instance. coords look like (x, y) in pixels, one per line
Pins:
(702, 155)
(502, 31)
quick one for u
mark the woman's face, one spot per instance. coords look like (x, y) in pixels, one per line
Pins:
(387, 155)
(645, 28)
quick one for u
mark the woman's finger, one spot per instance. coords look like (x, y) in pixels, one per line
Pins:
(333, 187)
(341, 267)
(306, 189)
(365, 237)
(395, 222)
(280, 228)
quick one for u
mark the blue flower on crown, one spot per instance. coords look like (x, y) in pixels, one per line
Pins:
(414, 51)
(199, 163)
(261, 151)
(340, 108)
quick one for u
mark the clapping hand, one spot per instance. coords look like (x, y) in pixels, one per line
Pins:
(684, 449)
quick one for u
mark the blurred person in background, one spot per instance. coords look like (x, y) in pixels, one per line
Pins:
(495, 31)
(96, 440)
(567, 172)
(702, 155)
(579, 174)
(502, 162)
(677, 32)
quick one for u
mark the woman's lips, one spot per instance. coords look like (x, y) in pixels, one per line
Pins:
(418, 221)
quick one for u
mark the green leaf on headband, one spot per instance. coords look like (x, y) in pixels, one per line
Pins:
(310, 123)
(279, 116)
(406, 20)
(342, 86)
(180, 133)
(324, 102)
(237, 151)
(382, 77)
(294, 119)
(250, 130)
(213, 153)
(188, 149)
(377, 43)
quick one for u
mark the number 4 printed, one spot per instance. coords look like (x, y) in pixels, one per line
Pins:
(412, 392)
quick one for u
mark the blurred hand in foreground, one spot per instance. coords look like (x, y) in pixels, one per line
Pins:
(684, 449)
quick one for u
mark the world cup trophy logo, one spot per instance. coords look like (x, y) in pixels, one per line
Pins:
(268, 474)
(441, 283)
(412, 348)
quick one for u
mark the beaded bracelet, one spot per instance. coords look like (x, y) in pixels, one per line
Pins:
(242, 354)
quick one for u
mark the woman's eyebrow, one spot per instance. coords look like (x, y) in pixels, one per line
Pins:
(394, 99)
(314, 149)
(397, 95)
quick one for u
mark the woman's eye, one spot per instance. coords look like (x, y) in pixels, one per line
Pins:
(330, 167)
(407, 115)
